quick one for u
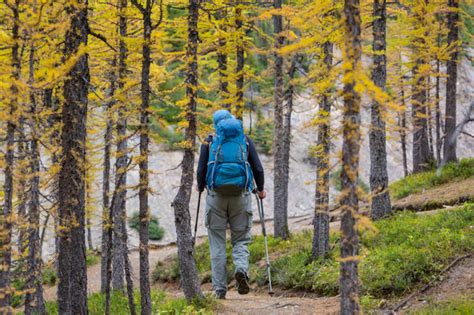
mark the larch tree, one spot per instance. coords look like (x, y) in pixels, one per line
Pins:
(6, 233)
(421, 154)
(349, 278)
(187, 265)
(240, 62)
(380, 201)
(320, 245)
(280, 192)
(449, 152)
(72, 272)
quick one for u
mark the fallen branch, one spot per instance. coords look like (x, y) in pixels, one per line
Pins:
(430, 284)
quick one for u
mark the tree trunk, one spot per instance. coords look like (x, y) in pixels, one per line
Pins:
(119, 208)
(222, 60)
(106, 180)
(438, 110)
(144, 213)
(21, 220)
(403, 126)
(451, 81)
(421, 149)
(320, 245)
(34, 301)
(280, 211)
(187, 265)
(72, 273)
(349, 279)
(239, 70)
(128, 271)
(6, 221)
(380, 202)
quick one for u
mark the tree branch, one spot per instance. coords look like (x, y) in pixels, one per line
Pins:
(138, 6)
(102, 38)
(161, 16)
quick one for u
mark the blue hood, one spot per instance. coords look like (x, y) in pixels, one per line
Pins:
(220, 115)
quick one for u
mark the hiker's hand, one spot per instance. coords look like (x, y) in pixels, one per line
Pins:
(197, 188)
(262, 194)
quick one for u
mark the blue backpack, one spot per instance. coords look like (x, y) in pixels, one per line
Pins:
(228, 171)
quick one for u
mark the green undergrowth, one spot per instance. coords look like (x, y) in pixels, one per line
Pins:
(161, 304)
(418, 182)
(156, 232)
(460, 305)
(50, 276)
(408, 251)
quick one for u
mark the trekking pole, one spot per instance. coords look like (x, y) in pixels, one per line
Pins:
(264, 232)
(197, 217)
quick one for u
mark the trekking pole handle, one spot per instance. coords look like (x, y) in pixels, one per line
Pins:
(197, 215)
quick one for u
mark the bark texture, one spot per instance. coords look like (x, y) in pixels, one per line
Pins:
(72, 273)
(320, 246)
(239, 70)
(120, 192)
(280, 196)
(451, 81)
(380, 202)
(34, 301)
(222, 60)
(187, 265)
(421, 149)
(106, 179)
(6, 233)
(349, 278)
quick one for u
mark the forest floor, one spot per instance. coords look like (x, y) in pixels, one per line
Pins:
(458, 280)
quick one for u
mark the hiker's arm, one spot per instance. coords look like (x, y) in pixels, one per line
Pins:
(256, 165)
(202, 167)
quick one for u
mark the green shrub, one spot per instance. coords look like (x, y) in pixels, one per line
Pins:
(50, 277)
(156, 232)
(92, 258)
(161, 304)
(418, 182)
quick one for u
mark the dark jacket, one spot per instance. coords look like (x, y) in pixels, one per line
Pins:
(253, 159)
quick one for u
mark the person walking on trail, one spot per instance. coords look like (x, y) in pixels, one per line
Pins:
(228, 166)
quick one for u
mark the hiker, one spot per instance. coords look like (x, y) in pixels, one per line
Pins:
(228, 164)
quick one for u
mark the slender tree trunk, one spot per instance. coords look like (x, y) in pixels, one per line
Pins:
(6, 221)
(106, 180)
(144, 213)
(281, 185)
(380, 202)
(349, 279)
(239, 70)
(222, 60)
(438, 110)
(187, 265)
(320, 245)
(403, 126)
(34, 301)
(72, 287)
(451, 81)
(119, 248)
(21, 220)
(128, 271)
(421, 149)
(429, 115)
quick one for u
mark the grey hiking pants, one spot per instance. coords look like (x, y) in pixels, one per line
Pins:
(237, 212)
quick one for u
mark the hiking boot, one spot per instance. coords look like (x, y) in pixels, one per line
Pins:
(220, 294)
(242, 282)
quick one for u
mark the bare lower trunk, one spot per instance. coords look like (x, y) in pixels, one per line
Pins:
(106, 182)
(72, 272)
(403, 128)
(451, 81)
(187, 265)
(438, 112)
(280, 180)
(320, 245)
(34, 301)
(349, 279)
(380, 202)
(128, 271)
